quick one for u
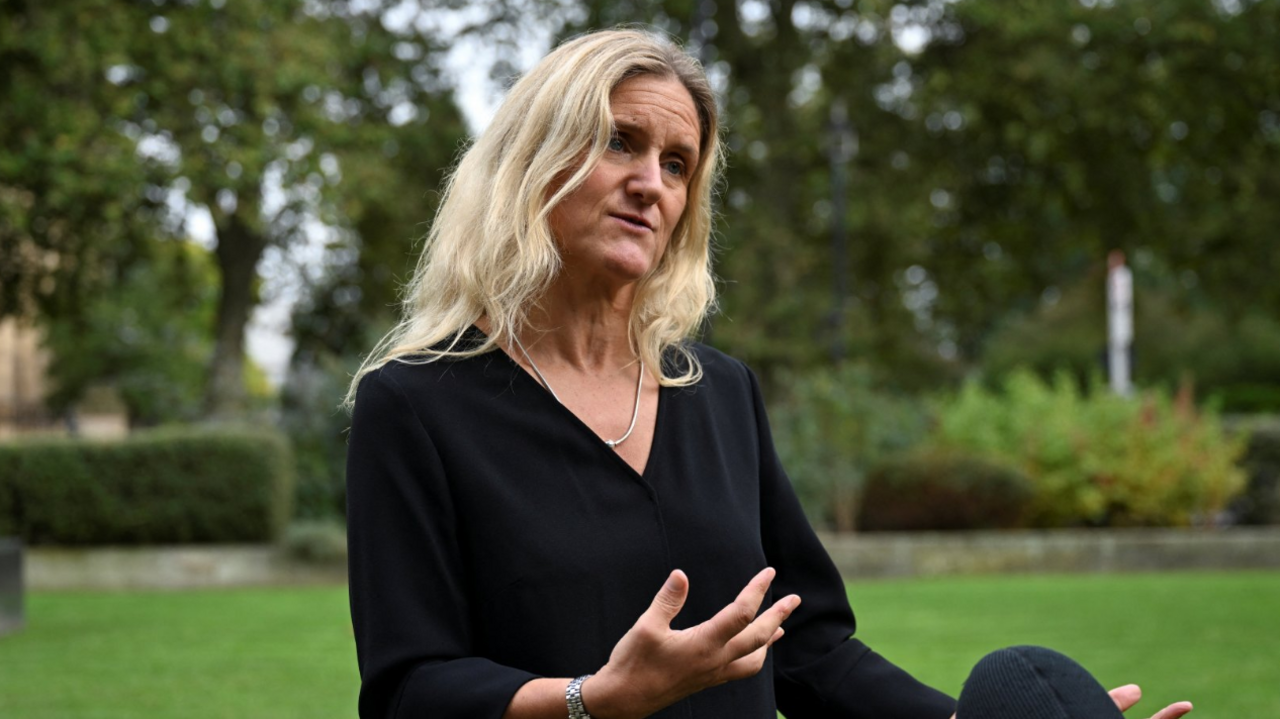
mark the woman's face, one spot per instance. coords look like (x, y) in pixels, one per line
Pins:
(617, 224)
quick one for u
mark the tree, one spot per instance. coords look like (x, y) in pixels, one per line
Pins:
(76, 205)
(782, 66)
(999, 155)
(268, 107)
(263, 113)
(148, 337)
(1064, 130)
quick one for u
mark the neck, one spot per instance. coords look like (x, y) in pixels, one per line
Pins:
(582, 326)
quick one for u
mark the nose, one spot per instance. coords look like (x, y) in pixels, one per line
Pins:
(645, 180)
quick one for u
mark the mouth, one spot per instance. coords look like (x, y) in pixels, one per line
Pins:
(635, 221)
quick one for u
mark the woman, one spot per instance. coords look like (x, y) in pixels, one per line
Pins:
(557, 504)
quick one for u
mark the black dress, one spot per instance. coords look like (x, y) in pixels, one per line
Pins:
(494, 538)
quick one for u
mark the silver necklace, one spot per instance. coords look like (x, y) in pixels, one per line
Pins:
(634, 412)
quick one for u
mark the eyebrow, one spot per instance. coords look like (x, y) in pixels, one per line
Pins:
(689, 151)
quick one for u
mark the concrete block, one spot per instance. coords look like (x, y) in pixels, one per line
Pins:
(11, 603)
(906, 554)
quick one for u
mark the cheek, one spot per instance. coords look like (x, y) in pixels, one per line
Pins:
(566, 218)
(673, 215)
(555, 221)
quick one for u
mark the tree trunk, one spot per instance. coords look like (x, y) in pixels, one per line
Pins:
(238, 251)
(844, 508)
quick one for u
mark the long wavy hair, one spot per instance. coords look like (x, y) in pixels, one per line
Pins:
(490, 251)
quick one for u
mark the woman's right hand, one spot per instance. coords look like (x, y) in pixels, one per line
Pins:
(654, 666)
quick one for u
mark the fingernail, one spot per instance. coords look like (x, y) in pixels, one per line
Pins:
(671, 581)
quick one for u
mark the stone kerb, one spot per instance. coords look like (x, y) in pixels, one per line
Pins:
(889, 554)
(181, 567)
(11, 603)
(859, 556)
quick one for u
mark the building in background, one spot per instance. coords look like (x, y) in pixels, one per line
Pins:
(24, 383)
(22, 379)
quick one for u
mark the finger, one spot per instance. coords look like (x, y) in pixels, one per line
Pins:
(761, 632)
(670, 599)
(750, 664)
(1126, 696)
(736, 616)
(1173, 711)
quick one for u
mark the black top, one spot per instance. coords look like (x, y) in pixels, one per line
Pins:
(494, 538)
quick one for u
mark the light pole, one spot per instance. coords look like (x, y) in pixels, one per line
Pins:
(1119, 323)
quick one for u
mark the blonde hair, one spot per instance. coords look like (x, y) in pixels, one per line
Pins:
(490, 250)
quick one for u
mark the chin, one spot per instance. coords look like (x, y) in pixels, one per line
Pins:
(628, 275)
(630, 266)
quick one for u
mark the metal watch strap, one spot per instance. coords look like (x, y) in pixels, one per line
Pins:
(573, 697)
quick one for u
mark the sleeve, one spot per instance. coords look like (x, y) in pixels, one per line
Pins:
(820, 669)
(409, 605)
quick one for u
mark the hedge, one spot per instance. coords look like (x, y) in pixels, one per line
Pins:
(169, 486)
(1260, 501)
(940, 490)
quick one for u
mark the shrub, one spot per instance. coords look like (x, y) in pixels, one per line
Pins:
(1095, 458)
(316, 542)
(317, 430)
(163, 486)
(1260, 501)
(943, 490)
(832, 427)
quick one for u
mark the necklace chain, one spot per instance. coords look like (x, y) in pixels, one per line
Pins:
(635, 412)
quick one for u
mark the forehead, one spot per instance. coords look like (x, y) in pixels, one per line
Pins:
(657, 105)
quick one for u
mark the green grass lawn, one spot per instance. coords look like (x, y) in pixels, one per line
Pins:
(1213, 638)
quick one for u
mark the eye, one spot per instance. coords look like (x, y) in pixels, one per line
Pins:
(616, 144)
(675, 167)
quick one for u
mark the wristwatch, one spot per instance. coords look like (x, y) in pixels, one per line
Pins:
(573, 697)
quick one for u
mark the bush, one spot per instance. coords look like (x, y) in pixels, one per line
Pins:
(1260, 501)
(833, 426)
(163, 486)
(1095, 458)
(944, 490)
(317, 430)
(321, 542)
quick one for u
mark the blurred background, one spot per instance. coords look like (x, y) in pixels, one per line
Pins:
(207, 208)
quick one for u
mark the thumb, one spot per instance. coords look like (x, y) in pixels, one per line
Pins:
(670, 599)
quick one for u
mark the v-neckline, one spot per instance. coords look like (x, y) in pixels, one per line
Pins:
(642, 474)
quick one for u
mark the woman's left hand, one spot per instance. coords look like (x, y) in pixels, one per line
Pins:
(1129, 694)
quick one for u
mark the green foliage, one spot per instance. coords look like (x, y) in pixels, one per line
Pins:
(149, 337)
(1096, 458)
(834, 425)
(1066, 130)
(934, 490)
(74, 202)
(317, 429)
(160, 487)
(316, 542)
(997, 162)
(271, 115)
(1234, 362)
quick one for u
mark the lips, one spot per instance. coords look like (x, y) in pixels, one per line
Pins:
(632, 219)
